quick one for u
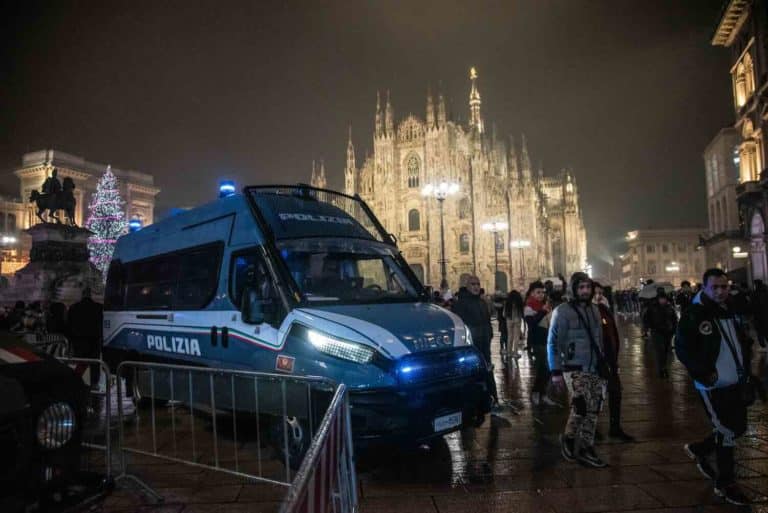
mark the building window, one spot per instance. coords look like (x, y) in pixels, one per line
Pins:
(650, 248)
(412, 166)
(750, 154)
(651, 267)
(665, 248)
(500, 242)
(414, 220)
(10, 223)
(463, 208)
(681, 247)
(743, 75)
(464, 243)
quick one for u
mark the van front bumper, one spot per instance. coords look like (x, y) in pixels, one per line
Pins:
(407, 414)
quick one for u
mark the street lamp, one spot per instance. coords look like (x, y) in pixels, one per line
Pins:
(521, 244)
(441, 190)
(495, 227)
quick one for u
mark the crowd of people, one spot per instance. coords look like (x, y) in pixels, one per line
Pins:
(81, 323)
(571, 336)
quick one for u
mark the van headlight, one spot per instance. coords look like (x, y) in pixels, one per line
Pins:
(468, 335)
(343, 349)
(56, 425)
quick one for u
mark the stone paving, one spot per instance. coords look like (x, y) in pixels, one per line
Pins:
(512, 463)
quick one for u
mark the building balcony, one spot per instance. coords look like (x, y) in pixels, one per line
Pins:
(718, 237)
(750, 193)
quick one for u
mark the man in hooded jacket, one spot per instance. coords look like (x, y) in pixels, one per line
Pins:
(576, 356)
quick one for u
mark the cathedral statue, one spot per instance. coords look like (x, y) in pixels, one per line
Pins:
(55, 196)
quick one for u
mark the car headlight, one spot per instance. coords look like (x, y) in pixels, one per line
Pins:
(468, 335)
(343, 349)
(56, 425)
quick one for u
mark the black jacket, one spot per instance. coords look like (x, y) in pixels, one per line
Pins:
(697, 342)
(474, 312)
(661, 319)
(85, 319)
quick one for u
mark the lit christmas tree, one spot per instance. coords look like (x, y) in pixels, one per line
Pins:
(106, 220)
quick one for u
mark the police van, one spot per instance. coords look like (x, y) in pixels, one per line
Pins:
(303, 281)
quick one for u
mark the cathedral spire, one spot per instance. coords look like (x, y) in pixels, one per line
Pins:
(512, 165)
(525, 161)
(430, 110)
(388, 118)
(475, 120)
(441, 115)
(350, 151)
(379, 128)
(321, 181)
(350, 172)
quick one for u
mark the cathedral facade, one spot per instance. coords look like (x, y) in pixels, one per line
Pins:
(496, 183)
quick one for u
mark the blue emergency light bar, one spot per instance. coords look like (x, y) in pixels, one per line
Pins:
(226, 188)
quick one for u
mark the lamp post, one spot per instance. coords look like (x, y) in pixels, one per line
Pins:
(441, 190)
(495, 227)
(521, 244)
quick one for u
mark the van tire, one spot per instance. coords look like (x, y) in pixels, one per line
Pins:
(298, 439)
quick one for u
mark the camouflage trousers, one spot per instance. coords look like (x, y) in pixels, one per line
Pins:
(587, 395)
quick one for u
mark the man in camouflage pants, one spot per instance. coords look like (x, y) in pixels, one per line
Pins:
(575, 352)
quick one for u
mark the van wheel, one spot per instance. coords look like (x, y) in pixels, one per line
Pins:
(298, 439)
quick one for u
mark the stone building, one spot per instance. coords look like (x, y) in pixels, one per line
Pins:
(496, 183)
(136, 189)
(661, 255)
(725, 244)
(743, 28)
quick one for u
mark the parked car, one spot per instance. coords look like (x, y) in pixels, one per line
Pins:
(42, 409)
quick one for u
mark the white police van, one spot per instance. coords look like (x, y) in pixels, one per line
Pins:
(303, 281)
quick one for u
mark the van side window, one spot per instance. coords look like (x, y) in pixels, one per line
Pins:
(150, 283)
(183, 280)
(113, 294)
(198, 278)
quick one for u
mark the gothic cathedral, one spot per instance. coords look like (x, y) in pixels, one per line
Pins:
(538, 231)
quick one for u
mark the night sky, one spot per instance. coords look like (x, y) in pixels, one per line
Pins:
(627, 94)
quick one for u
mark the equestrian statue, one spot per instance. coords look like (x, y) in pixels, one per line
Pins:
(55, 196)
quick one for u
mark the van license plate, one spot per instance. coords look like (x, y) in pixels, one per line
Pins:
(447, 422)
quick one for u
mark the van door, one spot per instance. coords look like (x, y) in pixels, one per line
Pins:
(250, 336)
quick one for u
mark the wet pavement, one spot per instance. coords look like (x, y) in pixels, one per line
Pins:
(512, 463)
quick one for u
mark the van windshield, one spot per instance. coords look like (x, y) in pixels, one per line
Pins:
(346, 271)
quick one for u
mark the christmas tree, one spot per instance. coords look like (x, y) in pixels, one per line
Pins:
(106, 220)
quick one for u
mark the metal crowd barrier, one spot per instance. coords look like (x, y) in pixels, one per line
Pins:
(286, 410)
(326, 480)
(97, 424)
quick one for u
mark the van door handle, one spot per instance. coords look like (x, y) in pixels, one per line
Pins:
(214, 335)
(159, 317)
(224, 337)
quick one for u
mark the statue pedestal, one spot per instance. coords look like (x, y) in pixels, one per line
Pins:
(58, 267)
